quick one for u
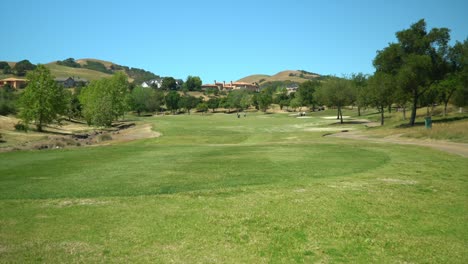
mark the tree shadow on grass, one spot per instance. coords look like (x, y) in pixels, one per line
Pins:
(442, 120)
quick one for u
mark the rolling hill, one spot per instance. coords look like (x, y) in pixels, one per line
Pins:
(60, 71)
(298, 76)
(90, 69)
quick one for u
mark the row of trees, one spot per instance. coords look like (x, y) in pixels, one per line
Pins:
(19, 69)
(420, 70)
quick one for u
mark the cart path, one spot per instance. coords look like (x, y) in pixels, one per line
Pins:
(460, 149)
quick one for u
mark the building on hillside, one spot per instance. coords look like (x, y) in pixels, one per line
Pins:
(222, 86)
(71, 82)
(156, 83)
(14, 82)
(292, 88)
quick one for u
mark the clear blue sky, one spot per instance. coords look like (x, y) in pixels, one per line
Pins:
(222, 40)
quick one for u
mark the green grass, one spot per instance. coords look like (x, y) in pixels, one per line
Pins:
(221, 189)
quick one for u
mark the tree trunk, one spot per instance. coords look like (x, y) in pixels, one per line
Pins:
(414, 108)
(341, 115)
(389, 109)
(382, 115)
(404, 113)
(359, 110)
(445, 108)
(338, 113)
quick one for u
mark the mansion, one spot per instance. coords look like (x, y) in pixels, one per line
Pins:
(222, 86)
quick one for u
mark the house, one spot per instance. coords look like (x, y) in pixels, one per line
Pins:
(222, 86)
(152, 83)
(14, 82)
(157, 83)
(292, 88)
(71, 82)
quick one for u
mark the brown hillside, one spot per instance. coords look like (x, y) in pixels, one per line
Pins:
(288, 75)
(106, 63)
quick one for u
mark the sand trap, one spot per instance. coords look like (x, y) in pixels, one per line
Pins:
(334, 117)
(326, 129)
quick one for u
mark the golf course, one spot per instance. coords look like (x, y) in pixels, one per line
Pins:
(218, 188)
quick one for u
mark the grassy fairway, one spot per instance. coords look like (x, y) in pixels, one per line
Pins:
(266, 188)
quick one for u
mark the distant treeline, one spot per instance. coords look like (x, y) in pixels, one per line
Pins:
(19, 69)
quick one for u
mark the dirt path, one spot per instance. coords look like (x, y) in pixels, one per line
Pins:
(450, 147)
(134, 133)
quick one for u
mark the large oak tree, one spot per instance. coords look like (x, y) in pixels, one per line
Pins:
(416, 61)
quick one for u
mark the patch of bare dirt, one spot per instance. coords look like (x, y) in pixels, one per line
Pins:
(134, 133)
(460, 149)
(63, 137)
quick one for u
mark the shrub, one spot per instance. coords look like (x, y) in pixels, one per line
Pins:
(21, 127)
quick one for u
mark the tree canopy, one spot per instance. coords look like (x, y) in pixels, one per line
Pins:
(193, 83)
(43, 100)
(416, 61)
(105, 100)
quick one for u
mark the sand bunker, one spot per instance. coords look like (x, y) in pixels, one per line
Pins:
(334, 117)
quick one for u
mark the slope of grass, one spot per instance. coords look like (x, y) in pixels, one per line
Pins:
(218, 188)
(453, 127)
(60, 71)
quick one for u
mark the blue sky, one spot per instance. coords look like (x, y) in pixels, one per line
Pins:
(222, 40)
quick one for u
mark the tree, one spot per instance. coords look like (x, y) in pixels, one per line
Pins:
(155, 100)
(3, 64)
(193, 83)
(169, 83)
(336, 92)
(305, 93)
(105, 100)
(21, 67)
(70, 62)
(417, 60)
(264, 100)
(74, 106)
(43, 101)
(359, 81)
(140, 99)
(202, 107)
(246, 101)
(281, 98)
(172, 101)
(213, 103)
(188, 102)
(459, 63)
(379, 92)
(234, 99)
(7, 69)
(295, 103)
(7, 100)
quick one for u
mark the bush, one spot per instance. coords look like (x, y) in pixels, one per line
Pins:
(96, 66)
(21, 127)
(70, 62)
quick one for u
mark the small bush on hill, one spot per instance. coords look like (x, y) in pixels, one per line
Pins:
(96, 66)
(70, 62)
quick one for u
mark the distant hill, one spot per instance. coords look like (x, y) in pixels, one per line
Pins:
(298, 76)
(60, 71)
(91, 69)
